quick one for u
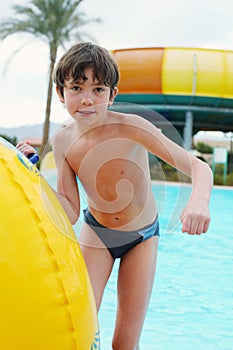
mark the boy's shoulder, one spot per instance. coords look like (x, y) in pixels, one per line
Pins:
(124, 117)
(63, 132)
(135, 127)
(131, 119)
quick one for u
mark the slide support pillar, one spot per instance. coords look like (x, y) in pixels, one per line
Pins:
(188, 130)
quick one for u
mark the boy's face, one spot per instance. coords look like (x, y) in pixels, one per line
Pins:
(87, 99)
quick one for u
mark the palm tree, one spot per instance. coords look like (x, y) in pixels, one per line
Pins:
(56, 22)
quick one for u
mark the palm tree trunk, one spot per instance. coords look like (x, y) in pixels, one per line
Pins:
(43, 149)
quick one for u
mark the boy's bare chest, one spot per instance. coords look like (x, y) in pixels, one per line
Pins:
(105, 155)
(109, 167)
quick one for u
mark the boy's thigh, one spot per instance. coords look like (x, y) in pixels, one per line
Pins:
(137, 266)
(98, 260)
(135, 282)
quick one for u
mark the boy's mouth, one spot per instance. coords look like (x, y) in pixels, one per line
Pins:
(86, 113)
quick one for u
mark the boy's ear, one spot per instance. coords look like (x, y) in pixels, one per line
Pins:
(61, 98)
(112, 97)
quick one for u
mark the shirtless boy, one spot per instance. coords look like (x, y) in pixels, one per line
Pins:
(108, 151)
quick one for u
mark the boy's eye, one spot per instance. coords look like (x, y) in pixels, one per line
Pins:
(99, 89)
(75, 88)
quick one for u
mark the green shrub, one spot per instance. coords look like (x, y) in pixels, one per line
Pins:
(165, 172)
(203, 148)
(229, 181)
(13, 140)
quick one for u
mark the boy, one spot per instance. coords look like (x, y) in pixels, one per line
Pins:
(108, 151)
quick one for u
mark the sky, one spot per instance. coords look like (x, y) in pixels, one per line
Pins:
(125, 24)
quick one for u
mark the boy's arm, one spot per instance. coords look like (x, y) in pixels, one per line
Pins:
(68, 194)
(67, 187)
(195, 217)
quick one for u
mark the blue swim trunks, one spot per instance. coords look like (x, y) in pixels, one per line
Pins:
(120, 242)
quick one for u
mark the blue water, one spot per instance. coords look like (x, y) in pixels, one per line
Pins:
(191, 306)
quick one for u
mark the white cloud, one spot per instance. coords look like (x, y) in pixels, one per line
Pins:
(161, 23)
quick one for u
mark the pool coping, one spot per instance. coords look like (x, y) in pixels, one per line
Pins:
(187, 184)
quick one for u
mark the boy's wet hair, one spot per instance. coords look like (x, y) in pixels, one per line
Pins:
(86, 55)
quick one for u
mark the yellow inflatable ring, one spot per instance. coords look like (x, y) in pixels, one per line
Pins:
(46, 299)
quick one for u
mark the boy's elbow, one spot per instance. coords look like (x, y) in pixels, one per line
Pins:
(71, 210)
(73, 219)
(73, 216)
(203, 168)
(206, 166)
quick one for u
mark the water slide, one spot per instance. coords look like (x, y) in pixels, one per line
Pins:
(177, 72)
(191, 87)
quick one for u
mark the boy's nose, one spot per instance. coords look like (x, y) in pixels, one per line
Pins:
(86, 101)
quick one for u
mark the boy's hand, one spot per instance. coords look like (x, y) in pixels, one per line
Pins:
(195, 218)
(25, 148)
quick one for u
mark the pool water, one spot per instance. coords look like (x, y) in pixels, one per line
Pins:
(191, 306)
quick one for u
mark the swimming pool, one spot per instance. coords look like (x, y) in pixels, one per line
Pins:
(191, 306)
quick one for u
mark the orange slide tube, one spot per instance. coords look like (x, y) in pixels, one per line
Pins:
(176, 71)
